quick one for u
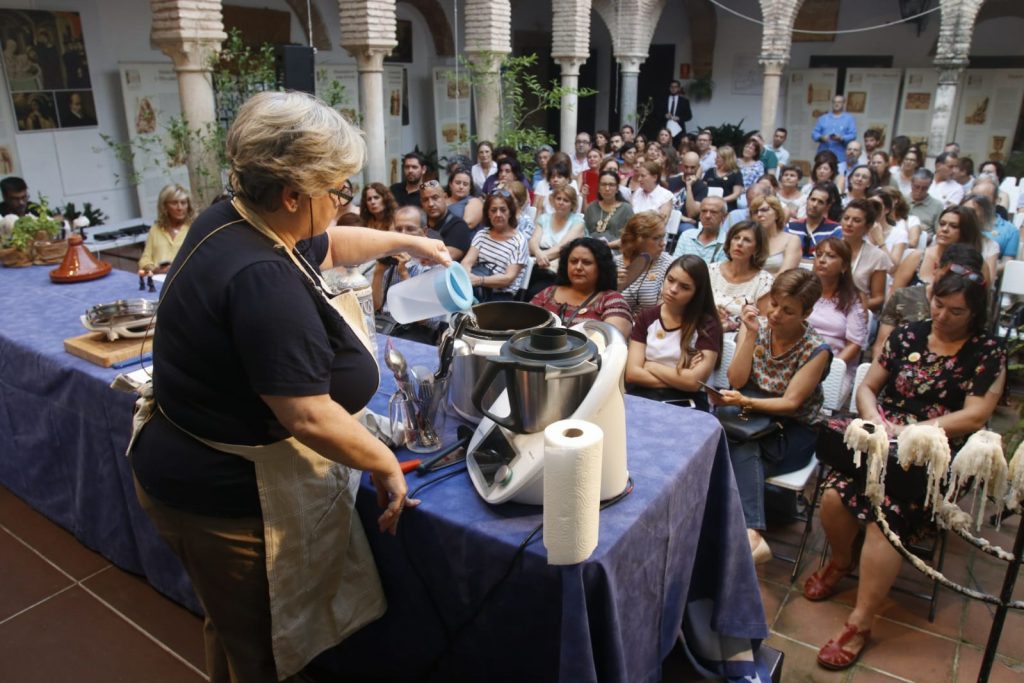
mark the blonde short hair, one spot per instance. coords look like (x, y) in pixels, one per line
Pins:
(781, 217)
(567, 191)
(728, 156)
(290, 139)
(168, 194)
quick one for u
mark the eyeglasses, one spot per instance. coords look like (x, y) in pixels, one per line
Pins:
(963, 271)
(501, 192)
(431, 183)
(341, 195)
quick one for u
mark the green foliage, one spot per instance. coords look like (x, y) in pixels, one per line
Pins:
(95, 215)
(700, 89)
(522, 95)
(643, 112)
(729, 134)
(31, 224)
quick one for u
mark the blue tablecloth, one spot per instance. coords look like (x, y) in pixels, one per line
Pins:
(458, 607)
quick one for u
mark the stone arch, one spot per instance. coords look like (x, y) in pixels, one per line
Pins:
(321, 38)
(440, 27)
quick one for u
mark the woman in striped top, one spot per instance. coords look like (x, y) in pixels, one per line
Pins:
(498, 253)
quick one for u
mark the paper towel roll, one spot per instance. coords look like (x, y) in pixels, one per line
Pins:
(572, 490)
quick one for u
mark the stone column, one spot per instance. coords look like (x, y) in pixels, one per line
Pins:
(370, 63)
(570, 112)
(942, 112)
(629, 69)
(773, 69)
(190, 32)
(368, 34)
(486, 93)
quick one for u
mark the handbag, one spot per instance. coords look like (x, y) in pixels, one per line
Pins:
(743, 425)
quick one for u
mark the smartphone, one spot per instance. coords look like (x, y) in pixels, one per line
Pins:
(711, 390)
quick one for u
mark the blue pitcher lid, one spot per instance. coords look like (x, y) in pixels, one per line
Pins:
(454, 290)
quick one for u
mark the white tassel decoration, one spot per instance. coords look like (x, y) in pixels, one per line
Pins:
(926, 445)
(1015, 475)
(981, 458)
(860, 440)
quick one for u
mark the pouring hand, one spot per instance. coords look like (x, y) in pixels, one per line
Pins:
(430, 250)
(391, 494)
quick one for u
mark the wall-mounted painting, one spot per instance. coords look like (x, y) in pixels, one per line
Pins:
(47, 69)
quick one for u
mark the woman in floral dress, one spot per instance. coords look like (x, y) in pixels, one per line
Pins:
(946, 372)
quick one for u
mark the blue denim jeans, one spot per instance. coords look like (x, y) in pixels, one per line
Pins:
(750, 466)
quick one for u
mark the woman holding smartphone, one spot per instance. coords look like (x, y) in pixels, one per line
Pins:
(676, 344)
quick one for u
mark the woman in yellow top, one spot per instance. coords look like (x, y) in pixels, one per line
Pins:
(174, 213)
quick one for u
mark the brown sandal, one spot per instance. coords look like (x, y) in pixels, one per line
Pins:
(835, 656)
(822, 583)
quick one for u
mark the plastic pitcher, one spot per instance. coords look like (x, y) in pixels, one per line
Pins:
(438, 291)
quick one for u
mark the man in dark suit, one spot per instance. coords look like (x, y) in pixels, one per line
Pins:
(677, 109)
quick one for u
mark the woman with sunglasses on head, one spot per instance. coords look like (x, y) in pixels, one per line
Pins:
(499, 253)
(675, 345)
(740, 280)
(258, 376)
(461, 200)
(377, 207)
(945, 372)
(956, 225)
(605, 218)
(584, 287)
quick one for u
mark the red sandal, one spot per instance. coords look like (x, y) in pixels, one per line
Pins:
(822, 583)
(835, 656)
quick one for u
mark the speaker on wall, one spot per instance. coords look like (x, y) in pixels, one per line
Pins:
(295, 69)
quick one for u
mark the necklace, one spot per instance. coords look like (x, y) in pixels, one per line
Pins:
(606, 216)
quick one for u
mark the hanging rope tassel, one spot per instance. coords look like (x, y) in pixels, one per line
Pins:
(1015, 475)
(926, 445)
(982, 459)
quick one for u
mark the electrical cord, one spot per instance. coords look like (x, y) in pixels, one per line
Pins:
(452, 637)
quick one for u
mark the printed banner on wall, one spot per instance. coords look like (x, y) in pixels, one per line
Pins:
(871, 98)
(808, 96)
(988, 113)
(8, 149)
(47, 69)
(150, 93)
(394, 102)
(451, 112)
(917, 105)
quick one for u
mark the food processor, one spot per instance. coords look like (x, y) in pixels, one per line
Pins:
(549, 374)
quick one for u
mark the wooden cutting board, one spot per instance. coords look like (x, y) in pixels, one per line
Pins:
(94, 347)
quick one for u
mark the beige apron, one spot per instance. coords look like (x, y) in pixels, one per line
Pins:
(323, 580)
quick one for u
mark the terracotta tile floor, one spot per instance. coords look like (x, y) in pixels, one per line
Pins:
(66, 614)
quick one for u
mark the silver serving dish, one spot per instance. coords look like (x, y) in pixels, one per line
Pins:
(131, 318)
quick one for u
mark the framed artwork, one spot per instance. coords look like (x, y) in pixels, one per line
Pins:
(47, 69)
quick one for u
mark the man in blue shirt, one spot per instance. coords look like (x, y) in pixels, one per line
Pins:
(835, 129)
(817, 226)
(1003, 232)
(708, 240)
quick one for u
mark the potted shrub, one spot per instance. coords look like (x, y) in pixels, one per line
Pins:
(31, 238)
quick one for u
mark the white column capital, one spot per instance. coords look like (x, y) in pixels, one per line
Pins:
(949, 72)
(630, 64)
(370, 58)
(772, 65)
(570, 64)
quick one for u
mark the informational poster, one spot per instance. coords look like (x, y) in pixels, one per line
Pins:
(872, 96)
(47, 70)
(338, 85)
(394, 101)
(917, 105)
(151, 102)
(451, 112)
(808, 95)
(989, 110)
(8, 149)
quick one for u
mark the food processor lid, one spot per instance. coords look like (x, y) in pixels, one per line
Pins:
(550, 346)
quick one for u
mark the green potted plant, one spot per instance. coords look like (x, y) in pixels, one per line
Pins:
(30, 238)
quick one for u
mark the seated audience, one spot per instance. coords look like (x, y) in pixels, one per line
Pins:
(783, 361)
(792, 198)
(585, 287)
(947, 372)
(587, 180)
(1002, 233)
(461, 201)
(944, 188)
(485, 165)
(707, 240)
(879, 163)
(499, 253)
(676, 344)
(377, 207)
(649, 194)
(860, 183)
(912, 162)
(524, 212)
(957, 225)
(688, 188)
(923, 205)
(643, 241)
(559, 174)
(606, 217)
(726, 176)
(783, 248)
(887, 234)
(740, 280)
(541, 158)
(552, 231)
(407, 193)
(174, 215)
(816, 226)
(452, 230)
(870, 264)
(750, 164)
(838, 315)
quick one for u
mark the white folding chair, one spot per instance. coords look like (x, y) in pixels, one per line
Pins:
(672, 230)
(797, 481)
(858, 377)
(1012, 283)
(530, 263)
